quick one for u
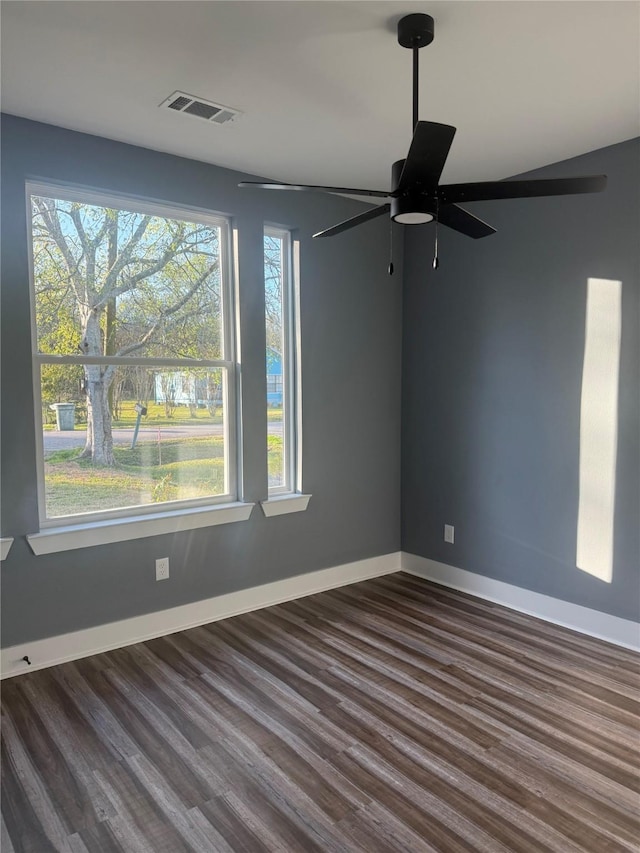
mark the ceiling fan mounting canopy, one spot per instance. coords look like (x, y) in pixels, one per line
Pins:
(416, 194)
(415, 31)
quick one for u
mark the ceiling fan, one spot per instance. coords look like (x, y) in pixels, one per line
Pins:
(417, 196)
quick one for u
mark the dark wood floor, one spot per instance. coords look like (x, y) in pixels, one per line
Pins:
(389, 715)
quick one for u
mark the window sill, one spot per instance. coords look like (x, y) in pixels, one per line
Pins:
(135, 527)
(283, 504)
(5, 547)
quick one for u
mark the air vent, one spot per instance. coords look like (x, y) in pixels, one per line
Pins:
(199, 108)
(179, 103)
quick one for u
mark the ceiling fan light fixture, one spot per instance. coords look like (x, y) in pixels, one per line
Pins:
(414, 209)
(413, 218)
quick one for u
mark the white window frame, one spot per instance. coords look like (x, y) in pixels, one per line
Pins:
(289, 497)
(289, 363)
(131, 522)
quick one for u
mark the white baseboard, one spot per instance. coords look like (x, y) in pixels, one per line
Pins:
(622, 632)
(102, 638)
(114, 635)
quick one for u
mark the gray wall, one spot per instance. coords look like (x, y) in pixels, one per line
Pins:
(351, 324)
(493, 348)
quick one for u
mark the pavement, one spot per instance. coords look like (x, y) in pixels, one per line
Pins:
(66, 439)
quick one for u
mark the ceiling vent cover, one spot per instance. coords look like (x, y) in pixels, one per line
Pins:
(200, 108)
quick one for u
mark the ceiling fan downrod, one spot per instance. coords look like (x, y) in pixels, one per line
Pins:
(414, 32)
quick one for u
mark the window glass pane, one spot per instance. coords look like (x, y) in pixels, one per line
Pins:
(165, 441)
(112, 282)
(274, 284)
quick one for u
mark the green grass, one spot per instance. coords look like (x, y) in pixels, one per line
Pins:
(275, 462)
(177, 469)
(150, 453)
(57, 456)
(73, 488)
(156, 416)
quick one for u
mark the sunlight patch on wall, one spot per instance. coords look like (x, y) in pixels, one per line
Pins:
(599, 428)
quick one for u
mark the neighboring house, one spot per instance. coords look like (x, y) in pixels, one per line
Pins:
(184, 390)
(274, 378)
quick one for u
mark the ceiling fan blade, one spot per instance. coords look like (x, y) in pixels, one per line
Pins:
(355, 220)
(490, 190)
(466, 223)
(427, 154)
(304, 188)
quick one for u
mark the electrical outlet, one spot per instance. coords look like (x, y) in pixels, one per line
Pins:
(449, 533)
(162, 569)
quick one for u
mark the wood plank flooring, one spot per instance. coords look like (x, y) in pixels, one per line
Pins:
(391, 715)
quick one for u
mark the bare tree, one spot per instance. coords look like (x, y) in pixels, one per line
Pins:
(137, 282)
(273, 291)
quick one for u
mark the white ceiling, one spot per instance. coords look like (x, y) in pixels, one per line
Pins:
(324, 86)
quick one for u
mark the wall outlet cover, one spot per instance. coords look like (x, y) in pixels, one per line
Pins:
(162, 569)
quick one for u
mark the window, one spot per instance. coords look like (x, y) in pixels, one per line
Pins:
(280, 361)
(134, 365)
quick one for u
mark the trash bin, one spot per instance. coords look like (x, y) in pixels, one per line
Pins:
(65, 415)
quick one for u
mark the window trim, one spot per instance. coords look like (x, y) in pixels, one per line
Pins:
(284, 504)
(106, 531)
(117, 519)
(5, 546)
(290, 364)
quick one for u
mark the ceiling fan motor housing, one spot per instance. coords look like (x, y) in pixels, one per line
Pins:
(410, 208)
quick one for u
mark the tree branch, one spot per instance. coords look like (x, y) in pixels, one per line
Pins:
(197, 284)
(143, 341)
(124, 256)
(74, 213)
(88, 249)
(50, 218)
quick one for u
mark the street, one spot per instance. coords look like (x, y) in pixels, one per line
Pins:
(64, 440)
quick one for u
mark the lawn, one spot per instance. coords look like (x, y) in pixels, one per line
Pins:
(156, 416)
(152, 472)
(176, 469)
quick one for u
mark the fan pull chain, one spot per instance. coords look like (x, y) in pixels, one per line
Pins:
(436, 262)
(390, 270)
(416, 83)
